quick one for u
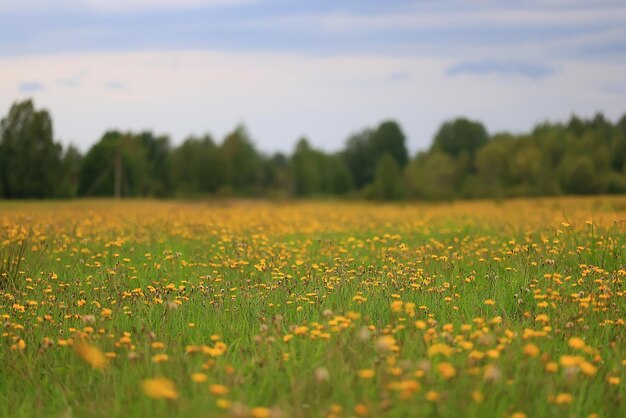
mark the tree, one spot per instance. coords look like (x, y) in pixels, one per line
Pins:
(577, 175)
(433, 175)
(365, 149)
(492, 168)
(195, 167)
(31, 163)
(388, 182)
(459, 136)
(72, 160)
(98, 170)
(389, 138)
(306, 167)
(240, 162)
(360, 158)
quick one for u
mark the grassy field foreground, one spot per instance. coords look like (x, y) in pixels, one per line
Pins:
(329, 309)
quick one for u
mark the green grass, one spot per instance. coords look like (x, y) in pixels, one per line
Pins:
(334, 266)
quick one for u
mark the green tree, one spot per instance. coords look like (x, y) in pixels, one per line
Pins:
(388, 181)
(459, 136)
(97, 174)
(306, 169)
(31, 164)
(241, 163)
(195, 167)
(577, 175)
(433, 175)
(365, 149)
(389, 138)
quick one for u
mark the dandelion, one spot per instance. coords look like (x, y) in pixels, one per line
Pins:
(576, 343)
(440, 348)
(160, 358)
(531, 350)
(446, 370)
(199, 377)
(386, 343)
(366, 373)
(563, 398)
(91, 354)
(260, 412)
(159, 388)
(222, 403)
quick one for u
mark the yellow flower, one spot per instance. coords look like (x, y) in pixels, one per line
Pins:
(446, 370)
(219, 390)
(366, 373)
(551, 367)
(518, 415)
(432, 396)
(21, 344)
(440, 348)
(490, 302)
(531, 350)
(613, 380)
(361, 410)
(386, 343)
(223, 403)
(91, 354)
(571, 361)
(159, 388)
(260, 412)
(301, 330)
(563, 398)
(588, 368)
(478, 396)
(160, 358)
(420, 324)
(576, 343)
(199, 377)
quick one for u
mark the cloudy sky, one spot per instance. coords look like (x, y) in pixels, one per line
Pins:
(320, 68)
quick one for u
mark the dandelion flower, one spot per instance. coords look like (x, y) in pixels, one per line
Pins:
(159, 388)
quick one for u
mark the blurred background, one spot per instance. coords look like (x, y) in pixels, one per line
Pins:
(364, 99)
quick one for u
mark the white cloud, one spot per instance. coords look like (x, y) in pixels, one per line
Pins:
(281, 96)
(113, 6)
(455, 18)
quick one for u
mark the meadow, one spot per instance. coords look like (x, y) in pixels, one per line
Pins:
(313, 309)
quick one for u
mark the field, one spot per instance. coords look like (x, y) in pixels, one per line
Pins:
(322, 309)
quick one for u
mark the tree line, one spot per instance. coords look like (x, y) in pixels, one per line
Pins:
(578, 157)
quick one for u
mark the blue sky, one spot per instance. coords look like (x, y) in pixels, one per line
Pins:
(323, 69)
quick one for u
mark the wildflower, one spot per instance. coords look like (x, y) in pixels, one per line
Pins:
(432, 396)
(160, 358)
(446, 370)
(563, 398)
(386, 343)
(366, 373)
(361, 409)
(531, 350)
(159, 388)
(219, 390)
(91, 354)
(478, 396)
(440, 348)
(613, 380)
(223, 403)
(260, 412)
(576, 343)
(199, 377)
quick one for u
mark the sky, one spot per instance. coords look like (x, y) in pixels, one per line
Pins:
(324, 69)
